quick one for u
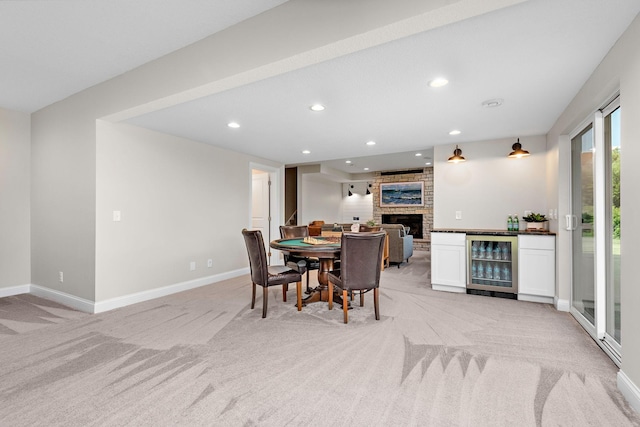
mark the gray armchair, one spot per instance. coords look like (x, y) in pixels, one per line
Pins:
(400, 243)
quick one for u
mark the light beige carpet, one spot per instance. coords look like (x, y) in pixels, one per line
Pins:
(202, 357)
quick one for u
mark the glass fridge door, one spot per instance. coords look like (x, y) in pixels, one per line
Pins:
(493, 263)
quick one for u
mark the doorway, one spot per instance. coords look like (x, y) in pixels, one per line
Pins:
(596, 228)
(266, 198)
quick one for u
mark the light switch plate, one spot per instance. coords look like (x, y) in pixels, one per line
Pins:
(116, 216)
(458, 214)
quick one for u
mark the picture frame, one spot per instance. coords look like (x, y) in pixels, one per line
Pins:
(398, 194)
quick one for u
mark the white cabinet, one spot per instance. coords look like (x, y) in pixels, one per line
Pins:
(537, 268)
(448, 262)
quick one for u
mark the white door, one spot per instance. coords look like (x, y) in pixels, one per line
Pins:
(261, 206)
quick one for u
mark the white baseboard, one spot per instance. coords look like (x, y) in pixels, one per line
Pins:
(63, 298)
(137, 297)
(14, 290)
(629, 390)
(535, 298)
(98, 307)
(562, 304)
(447, 288)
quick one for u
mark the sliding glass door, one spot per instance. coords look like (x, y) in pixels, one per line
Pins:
(613, 224)
(596, 227)
(581, 222)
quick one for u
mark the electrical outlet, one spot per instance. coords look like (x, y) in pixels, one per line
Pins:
(60, 276)
(192, 265)
(209, 263)
(527, 213)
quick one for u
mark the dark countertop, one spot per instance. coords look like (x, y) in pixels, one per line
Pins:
(478, 232)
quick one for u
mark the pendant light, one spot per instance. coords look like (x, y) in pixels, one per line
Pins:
(518, 152)
(350, 193)
(457, 156)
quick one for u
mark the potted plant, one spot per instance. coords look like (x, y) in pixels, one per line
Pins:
(535, 221)
(371, 226)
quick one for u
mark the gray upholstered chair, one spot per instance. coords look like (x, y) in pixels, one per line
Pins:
(400, 243)
(266, 276)
(361, 255)
(292, 261)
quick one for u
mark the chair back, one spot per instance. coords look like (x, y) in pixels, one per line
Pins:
(257, 256)
(360, 256)
(293, 231)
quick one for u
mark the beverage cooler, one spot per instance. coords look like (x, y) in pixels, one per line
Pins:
(492, 268)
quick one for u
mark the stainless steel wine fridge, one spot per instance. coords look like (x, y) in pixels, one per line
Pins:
(493, 265)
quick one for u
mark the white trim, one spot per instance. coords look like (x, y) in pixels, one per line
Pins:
(535, 298)
(63, 298)
(447, 288)
(123, 301)
(562, 304)
(99, 307)
(599, 226)
(629, 390)
(14, 290)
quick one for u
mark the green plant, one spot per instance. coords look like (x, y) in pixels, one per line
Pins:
(534, 217)
(371, 223)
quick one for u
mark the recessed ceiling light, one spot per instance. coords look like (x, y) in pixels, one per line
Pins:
(454, 132)
(233, 125)
(366, 169)
(370, 143)
(348, 161)
(490, 103)
(438, 82)
(418, 154)
(317, 107)
(428, 163)
(306, 152)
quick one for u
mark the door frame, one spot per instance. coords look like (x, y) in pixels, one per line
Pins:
(276, 176)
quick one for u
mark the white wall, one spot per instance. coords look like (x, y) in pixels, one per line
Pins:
(179, 201)
(489, 186)
(358, 205)
(619, 70)
(15, 243)
(321, 199)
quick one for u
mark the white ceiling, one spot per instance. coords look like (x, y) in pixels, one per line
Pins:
(535, 55)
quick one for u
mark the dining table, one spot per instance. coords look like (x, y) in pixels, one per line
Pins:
(326, 249)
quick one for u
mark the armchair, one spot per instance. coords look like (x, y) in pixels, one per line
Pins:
(400, 243)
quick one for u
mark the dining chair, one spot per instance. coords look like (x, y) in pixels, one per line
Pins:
(311, 263)
(265, 275)
(361, 255)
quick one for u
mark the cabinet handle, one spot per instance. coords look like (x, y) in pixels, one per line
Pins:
(567, 220)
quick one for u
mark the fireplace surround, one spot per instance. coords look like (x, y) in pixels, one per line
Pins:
(413, 221)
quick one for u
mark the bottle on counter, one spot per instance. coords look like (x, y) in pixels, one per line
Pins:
(509, 223)
(516, 223)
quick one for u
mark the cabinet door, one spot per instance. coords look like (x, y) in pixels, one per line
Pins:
(536, 273)
(448, 266)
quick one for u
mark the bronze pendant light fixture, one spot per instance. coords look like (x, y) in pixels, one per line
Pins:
(457, 156)
(518, 152)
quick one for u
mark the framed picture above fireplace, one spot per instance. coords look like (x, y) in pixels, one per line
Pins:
(402, 194)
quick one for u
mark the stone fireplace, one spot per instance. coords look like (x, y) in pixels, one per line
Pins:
(404, 214)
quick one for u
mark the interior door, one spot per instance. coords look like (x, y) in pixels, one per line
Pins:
(261, 206)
